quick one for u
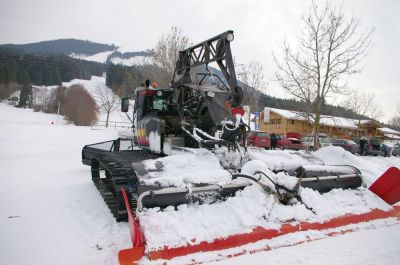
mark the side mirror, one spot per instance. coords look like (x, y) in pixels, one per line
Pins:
(124, 104)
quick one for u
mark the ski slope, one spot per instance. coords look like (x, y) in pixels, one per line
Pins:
(115, 59)
(51, 213)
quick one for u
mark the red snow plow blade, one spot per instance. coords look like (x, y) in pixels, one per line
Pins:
(387, 187)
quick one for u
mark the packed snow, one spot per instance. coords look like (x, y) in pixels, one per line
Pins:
(52, 213)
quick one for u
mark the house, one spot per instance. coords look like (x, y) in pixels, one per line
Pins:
(390, 135)
(282, 122)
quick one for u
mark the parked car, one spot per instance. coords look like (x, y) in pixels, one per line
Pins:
(385, 149)
(347, 145)
(293, 135)
(372, 147)
(289, 143)
(396, 151)
(259, 139)
(324, 141)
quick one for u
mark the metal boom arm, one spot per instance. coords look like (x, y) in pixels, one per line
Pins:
(216, 49)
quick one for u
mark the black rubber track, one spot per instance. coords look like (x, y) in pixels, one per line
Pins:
(118, 174)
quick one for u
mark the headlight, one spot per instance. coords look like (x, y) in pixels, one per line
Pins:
(229, 36)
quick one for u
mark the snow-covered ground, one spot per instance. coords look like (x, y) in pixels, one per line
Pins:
(115, 59)
(51, 213)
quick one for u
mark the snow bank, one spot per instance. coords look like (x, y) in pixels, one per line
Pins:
(371, 167)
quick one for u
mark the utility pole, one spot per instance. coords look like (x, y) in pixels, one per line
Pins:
(58, 111)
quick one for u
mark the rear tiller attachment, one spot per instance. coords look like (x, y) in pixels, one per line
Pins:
(387, 187)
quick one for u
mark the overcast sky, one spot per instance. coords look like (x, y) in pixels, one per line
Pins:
(260, 26)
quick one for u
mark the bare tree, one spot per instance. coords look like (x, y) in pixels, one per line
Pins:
(253, 79)
(330, 49)
(108, 100)
(79, 106)
(362, 104)
(395, 121)
(6, 90)
(167, 50)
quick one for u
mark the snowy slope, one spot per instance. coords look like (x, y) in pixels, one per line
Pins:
(51, 213)
(114, 58)
(98, 57)
(135, 60)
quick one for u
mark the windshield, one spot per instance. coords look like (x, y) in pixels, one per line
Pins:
(350, 142)
(324, 140)
(262, 134)
(159, 103)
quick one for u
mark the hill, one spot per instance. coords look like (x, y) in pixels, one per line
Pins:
(62, 46)
(44, 69)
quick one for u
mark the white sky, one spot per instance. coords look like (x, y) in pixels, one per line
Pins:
(259, 25)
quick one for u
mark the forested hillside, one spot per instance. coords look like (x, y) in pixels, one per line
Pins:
(44, 69)
(62, 46)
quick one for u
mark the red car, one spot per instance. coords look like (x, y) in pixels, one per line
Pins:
(259, 139)
(289, 143)
(293, 135)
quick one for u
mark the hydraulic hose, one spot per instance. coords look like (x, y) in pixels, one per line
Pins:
(283, 198)
(265, 187)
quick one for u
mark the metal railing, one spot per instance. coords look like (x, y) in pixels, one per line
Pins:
(101, 125)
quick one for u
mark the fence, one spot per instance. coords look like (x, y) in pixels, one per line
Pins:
(100, 125)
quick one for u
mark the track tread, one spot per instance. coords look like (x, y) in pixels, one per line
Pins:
(119, 172)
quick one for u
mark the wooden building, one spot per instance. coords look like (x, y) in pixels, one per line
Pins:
(283, 122)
